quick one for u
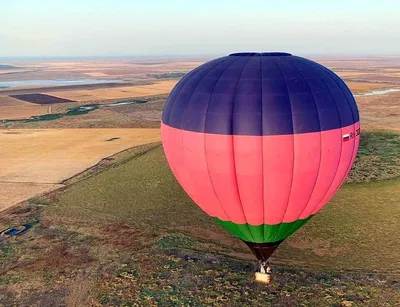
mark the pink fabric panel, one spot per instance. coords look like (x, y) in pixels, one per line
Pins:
(348, 154)
(307, 156)
(331, 146)
(221, 166)
(278, 171)
(190, 168)
(269, 179)
(248, 165)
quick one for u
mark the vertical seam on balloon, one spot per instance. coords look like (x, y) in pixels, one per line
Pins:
(183, 116)
(190, 97)
(341, 141)
(294, 156)
(342, 82)
(354, 142)
(192, 73)
(233, 149)
(205, 154)
(320, 139)
(329, 72)
(262, 157)
(262, 147)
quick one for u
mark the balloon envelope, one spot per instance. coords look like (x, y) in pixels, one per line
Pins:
(261, 141)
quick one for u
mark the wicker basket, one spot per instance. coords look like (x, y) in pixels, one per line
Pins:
(264, 278)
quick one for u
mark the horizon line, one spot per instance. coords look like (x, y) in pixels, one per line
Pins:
(22, 57)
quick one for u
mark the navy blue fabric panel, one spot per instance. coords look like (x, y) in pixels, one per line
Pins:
(304, 112)
(325, 104)
(220, 109)
(183, 99)
(246, 117)
(343, 109)
(344, 99)
(195, 116)
(188, 78)
(276, 105)
(347, 93)
(254, 94)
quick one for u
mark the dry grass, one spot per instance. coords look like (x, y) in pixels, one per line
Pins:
(18, 112)
(96, 74)
(140, 115)
(7, 101)
(11, 71)
(114, 68)
(378, 157)
(13, 193)
(362, 87)
(380, 112)
(162, 87)
(130, 235)
(11, 108)
(53, 155)
(349, 73)
(137, 239)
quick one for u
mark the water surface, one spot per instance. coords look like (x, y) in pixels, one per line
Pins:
(379, 92)
(56, 82)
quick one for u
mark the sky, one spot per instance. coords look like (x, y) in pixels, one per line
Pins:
(198, 27)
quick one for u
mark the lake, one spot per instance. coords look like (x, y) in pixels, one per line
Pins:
(56, 82)
(379, 92)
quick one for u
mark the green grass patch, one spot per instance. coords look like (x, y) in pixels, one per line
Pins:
(76, 111)
(357, 230)
(171, 241)
(132, 234)
(5, 280)
(378, 157)
(169, 75)
(7, 252)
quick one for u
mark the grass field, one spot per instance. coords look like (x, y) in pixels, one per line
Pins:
(161, 87)
(40, 99)
(380, 112)
(22, 111)
(137, 115)
(378, 157)
(126, 234)
(37, 160)
(102, 68)
(362, 87)
(14, 108)
(121, 232)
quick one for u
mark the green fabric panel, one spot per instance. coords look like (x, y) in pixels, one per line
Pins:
(262, 233)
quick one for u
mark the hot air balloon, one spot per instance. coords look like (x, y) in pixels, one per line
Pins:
(261, 142)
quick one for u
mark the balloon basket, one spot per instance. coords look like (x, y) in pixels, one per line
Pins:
(263, 277)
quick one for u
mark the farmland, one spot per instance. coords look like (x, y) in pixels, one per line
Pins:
(39, 160)
(111, 226)
(40, 98)
(14, 108)
(129, 234)
(162, 87)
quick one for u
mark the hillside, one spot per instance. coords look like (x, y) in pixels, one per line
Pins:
(125, 233)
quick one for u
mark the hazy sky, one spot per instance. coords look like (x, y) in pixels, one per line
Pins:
(192, 27)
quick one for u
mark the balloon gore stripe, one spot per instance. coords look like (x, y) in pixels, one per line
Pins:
(258, 95)
(262, 233)
(260, 180)
(261, 141)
